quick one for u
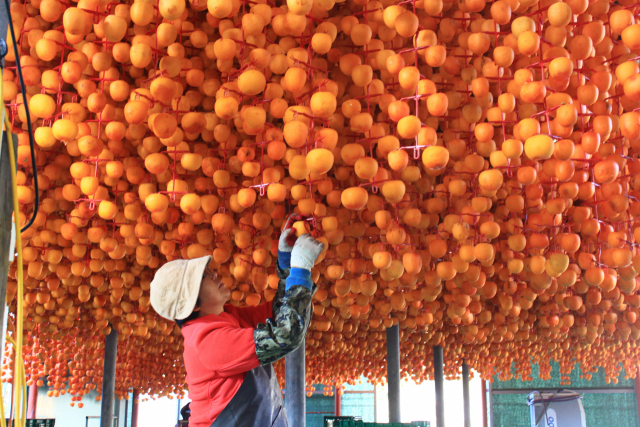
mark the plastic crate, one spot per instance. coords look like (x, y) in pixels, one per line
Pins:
(333, 421)
(421, 423)
(44, 422)
(349, 423)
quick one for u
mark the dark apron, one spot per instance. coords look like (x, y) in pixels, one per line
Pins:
(258, 402)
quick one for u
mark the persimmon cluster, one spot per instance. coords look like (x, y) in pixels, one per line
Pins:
(471, 166)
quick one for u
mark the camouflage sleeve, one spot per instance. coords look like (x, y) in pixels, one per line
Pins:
(282, 283)
(284, 333)
(277, 299)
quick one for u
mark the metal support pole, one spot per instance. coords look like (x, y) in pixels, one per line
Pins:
(126, 411)
(32, 401)
(393, 372)
(465, 395)
(438, 376)
(484, 403)
(134, 408)
(490, 397)
(109, 378)
(375, 403)
(11, 408)
(295, 392)
(116, 409)
(338, 398)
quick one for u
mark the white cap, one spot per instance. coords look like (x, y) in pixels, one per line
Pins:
(176, 285)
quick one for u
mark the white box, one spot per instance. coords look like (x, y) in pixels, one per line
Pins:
(556, 409)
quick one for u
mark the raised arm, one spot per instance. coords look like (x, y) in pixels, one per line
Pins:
(283, 265)
(261, 313)
(292, 309)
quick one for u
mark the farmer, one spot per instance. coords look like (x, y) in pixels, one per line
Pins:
(228, 350)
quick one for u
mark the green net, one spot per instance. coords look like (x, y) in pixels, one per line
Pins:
(601, 409)
(359, 404)
(597, 380)
(360, 386)
(318, 406)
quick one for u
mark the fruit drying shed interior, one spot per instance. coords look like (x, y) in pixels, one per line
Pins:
(471, 166)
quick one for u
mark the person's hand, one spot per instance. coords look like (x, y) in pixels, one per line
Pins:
(305, 252)
(288, 235)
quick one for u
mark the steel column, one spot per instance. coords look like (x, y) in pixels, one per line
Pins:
(338, 398)
(465, 395)
(438, 376)
(295, 391)
(116, 409)
(134, 408)
(126, 411)
(490, 405)
(393, 372)
(32, 401)
(109, 378)
(484, 403)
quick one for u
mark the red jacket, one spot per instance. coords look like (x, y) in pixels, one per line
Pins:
(218, 352)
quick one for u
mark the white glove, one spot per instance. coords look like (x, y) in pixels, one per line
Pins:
(305, 252)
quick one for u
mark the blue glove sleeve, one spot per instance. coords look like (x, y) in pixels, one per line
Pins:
(299, 276)
(284, 260)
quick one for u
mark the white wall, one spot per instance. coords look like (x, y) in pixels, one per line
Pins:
(418, 402)
(67, 416)
(159, 413)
